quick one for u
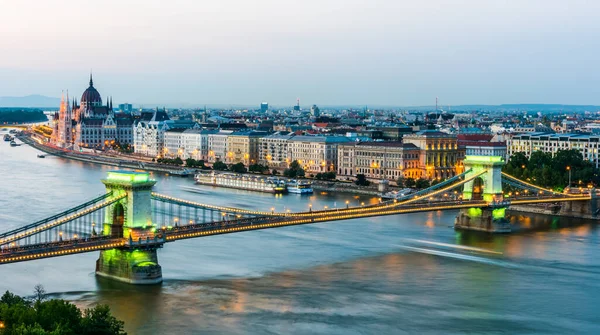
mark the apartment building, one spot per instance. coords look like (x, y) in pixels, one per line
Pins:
(379, 160)
(439, 156)
(274, 150)
(315, 153)
(243, 147)
(588, 145)
(217, 146)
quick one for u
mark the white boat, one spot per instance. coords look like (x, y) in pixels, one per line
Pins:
(299, 187)
(242, 182)
(397, 194)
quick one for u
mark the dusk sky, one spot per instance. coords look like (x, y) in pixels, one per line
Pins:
(326, 52)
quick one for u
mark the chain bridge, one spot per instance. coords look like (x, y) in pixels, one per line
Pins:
(130, 222)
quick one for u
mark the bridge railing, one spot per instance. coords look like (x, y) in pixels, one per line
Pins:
(432, 188)
(68, 224)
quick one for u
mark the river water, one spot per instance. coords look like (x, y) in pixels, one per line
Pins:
(401, 274)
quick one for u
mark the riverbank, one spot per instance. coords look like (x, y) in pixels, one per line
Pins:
(340, 187)
(103, 160)
(552, 210)
(144, 164)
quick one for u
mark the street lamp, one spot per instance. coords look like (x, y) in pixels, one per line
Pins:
(272, 210)
(569, 169)
(310, 208)
(347, 202)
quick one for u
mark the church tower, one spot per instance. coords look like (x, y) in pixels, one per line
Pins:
(64, 122)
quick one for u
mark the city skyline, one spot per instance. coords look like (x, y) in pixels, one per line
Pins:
(394, 53)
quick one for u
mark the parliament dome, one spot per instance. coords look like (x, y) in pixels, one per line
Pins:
(91, 96)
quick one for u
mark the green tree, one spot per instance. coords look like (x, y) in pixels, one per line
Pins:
(100, 321)
(192, 163)
(220, 166)
(238, 168)
(54, 317)
(259, 168)
(295, 165)
(400, 182)
(409, 182)
(295, 170)
(361, 180)
(422, 183)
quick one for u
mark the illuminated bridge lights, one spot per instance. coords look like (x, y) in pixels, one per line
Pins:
(535, 186)
(39, 255)
(61, 221)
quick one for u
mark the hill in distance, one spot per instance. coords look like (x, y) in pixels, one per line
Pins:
(35, 100)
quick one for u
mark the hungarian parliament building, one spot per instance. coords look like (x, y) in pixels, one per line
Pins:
(90, 124)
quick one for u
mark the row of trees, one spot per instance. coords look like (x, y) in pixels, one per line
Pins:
(21, 115)
(170, 161)
(196, 164)
(325, 176)
(553, 172)
(294, 171)
(40, 316)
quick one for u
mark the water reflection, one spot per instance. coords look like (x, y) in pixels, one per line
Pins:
(346, 277)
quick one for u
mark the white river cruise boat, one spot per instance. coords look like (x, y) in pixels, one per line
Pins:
(299, 187)
(242, 182)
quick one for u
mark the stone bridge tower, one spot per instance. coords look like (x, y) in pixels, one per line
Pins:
(130, 219)
(485, 161)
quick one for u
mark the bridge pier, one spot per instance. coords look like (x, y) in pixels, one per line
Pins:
(488, 219)
(130, 266)
(130, 219)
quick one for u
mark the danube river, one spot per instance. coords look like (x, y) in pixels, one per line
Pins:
(388, 275)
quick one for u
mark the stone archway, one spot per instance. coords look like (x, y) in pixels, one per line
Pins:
(478, 187)
(116, 229)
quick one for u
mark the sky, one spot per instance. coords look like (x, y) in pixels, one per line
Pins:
(325, 52)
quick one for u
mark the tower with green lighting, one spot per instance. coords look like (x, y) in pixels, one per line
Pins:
(484, 163)
(130, 219)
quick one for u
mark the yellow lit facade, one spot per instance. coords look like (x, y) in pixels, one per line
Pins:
(439, 154)
(379, 160)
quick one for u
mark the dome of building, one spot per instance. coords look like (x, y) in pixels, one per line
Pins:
(91, 96)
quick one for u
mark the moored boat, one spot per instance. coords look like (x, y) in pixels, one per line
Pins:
(242, 182)
(299, 186)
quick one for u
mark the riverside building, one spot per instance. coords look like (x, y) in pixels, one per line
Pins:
(587, 145)
(379, 160)
(439, 156)
(90, 124)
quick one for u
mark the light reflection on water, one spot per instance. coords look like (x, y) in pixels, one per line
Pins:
(346, 277)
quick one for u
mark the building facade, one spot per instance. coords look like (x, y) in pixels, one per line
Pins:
(187, 143)
(439, 156)
(243, 147)
(148, 133)
(379, 160)
(90, 124)
(315, 153)
(217, 146)
(274, 151)
(587, 145)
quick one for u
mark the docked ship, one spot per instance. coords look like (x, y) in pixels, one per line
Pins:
(242, 182)
(299, 187)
